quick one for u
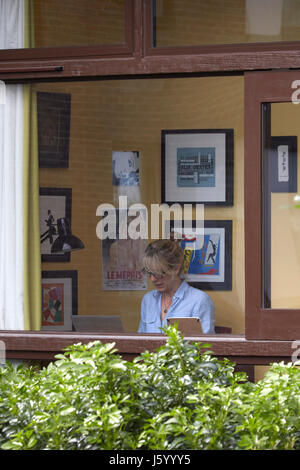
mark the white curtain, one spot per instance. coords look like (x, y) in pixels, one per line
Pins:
(11, 176)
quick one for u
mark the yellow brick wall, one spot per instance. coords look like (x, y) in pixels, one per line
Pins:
(129, 115)
(191, 23)
(179, 23)
(78, 22)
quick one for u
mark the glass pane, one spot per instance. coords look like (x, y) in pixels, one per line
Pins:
(90, 135)
(191, 23)
(281, 207)
(77, 22)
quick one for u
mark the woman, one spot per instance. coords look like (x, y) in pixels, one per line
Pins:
(172, 297)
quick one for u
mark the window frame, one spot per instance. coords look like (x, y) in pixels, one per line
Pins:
(64, 52)
(221, 57)
(137, 58)
(262, 323)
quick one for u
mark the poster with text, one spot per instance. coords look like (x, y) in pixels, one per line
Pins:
(122, 257)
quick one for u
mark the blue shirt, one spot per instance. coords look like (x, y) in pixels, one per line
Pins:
(187, 302)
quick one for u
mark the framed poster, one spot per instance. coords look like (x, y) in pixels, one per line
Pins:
(59, 299)
(122, 255)
(197, 166)
(55, 203)
(53, 110)
(207, 255)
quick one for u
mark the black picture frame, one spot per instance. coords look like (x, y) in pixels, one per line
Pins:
(53, 111)
(55, 203)
(57, 316)
(209, 178)
(287, 181)
(219, 232)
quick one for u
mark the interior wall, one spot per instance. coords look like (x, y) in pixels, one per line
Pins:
(285, 236)
(191, 23)
(129, 115)
(78, 22)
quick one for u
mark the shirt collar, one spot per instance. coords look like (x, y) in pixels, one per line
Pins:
(179, 293)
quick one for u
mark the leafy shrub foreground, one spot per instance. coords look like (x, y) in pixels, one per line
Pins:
(175, 398)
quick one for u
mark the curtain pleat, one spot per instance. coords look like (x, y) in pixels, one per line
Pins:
(20, 260)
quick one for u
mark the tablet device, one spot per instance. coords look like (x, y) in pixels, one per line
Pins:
(187, 325)
(97, 323)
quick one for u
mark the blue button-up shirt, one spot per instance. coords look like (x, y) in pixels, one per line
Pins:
(187, 302)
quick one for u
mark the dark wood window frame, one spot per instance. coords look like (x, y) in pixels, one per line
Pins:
(138, 57)
(133, 59)
(262, 88)
(64, 52)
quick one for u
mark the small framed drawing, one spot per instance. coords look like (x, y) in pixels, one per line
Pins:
(283, 164)
(55, 203)
(197, 166)
(59, 299)
(207, 253)
(53, 110)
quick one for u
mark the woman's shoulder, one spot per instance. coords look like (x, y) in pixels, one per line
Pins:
(151, 295)
(197, 293)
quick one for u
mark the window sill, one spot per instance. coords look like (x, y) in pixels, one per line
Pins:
(45, 345)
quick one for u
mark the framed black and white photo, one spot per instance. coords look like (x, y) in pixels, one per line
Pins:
(59, 299)
(207, 253)
(55, 203)
(197, 166)
(53, 110)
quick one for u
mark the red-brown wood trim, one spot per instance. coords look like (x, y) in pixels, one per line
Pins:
(148, 27)
(252, 208)
(138, 31)
(127, 65)
(278, 324)
(137, 56)
(45, 345)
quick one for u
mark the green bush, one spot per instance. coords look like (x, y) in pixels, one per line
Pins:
(179, 397)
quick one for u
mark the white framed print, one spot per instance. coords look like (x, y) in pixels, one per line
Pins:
(197, 166)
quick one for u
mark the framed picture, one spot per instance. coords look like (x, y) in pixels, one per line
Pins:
(197, 166)
(126, 168)
(122, 266)
(207, 254)
(53, 110)
(59, 299)
(55, 203)
(283, 165)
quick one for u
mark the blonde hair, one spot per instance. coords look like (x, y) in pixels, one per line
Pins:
(165, 255)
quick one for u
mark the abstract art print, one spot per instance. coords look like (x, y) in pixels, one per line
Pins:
(59, 299)
(207, 254)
